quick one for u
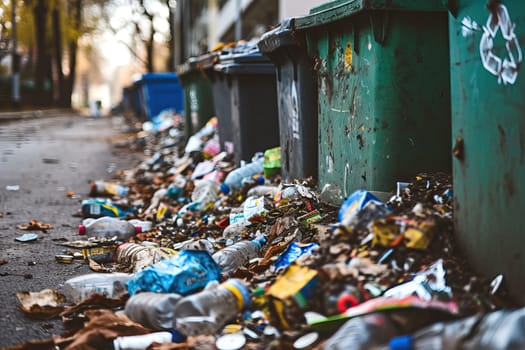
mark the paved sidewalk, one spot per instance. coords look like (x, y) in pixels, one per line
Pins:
(37, 113)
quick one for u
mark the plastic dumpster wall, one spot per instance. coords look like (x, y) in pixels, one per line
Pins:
(383, 88)
(221, 86)
(159, 91)
(297, 100)
(488, 115)
(253, 98)
(198, 96)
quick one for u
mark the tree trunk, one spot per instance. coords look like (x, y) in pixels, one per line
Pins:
(149, 48)
(75, 13)
(40, 16)
(57, 36)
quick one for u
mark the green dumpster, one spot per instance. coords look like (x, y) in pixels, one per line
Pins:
(383, 90)
(198, 97)
(488, 128)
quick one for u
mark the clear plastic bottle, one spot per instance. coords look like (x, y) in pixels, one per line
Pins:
(145, 225)
(209, 310)
(232, 257)
(112, 285)
(152, 310)
(498, 330)
(205, 192)
(234, 231)
(108, 227)
(233, 180)
(141, 342)
(263, 190)
(363, 333)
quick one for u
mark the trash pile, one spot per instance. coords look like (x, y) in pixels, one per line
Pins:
(191, 251)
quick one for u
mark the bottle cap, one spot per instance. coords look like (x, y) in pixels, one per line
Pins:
(403, 342)
(232, 341)
(81, 230)
(138, 229)
(225, 188)
(306, 340)
(242, 294)
(177, 337)
(260, 180)
(259, 241)
(346, 301)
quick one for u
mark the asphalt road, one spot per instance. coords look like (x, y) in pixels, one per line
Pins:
(40, 160)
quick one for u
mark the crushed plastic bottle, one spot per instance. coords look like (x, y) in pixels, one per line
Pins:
(113, 285)
(108, 227)
(233, 180)
(233, 257)
(234, 231)
(205, 192)
(499, 330)
(152, 310)
(363, 333)
(208, 311)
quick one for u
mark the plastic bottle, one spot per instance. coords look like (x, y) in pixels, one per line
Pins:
(141, 342)
(155, 200)
(363, 333)
(332, 194)
(263, 190)
(232, 257)
(499, 330)
(205, 192)
(108, 227)
(144, 225)
(208, 311)
(233, 180)
(96, 208)
(176, 189)
(234, 231)
(152, 310)
(112, 285)
(103, 188)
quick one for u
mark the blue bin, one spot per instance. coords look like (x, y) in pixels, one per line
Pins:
(159, 91)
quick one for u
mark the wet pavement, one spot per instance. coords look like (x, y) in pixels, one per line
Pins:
(40, 161)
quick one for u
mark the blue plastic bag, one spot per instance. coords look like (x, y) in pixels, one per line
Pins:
(293, 252)
(184, 273)
(355, 203)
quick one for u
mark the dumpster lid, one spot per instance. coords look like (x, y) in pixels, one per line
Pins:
(166, 76)
(207, 61)
(244, 69)
(281, 36)
(189, 66)
(339, 9)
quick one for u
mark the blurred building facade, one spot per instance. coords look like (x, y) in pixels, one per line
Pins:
(198, 25)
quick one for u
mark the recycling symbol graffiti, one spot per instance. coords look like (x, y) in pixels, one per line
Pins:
(506, 68)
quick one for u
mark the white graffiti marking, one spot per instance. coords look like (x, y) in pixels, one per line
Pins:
(469, 27)
(505, 69)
